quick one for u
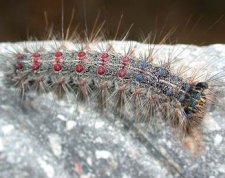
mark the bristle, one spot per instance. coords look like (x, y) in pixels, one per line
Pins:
(102, 95)
(82, 91)
(120, 99)
(59, 88)
(39, 85)
(136, 103)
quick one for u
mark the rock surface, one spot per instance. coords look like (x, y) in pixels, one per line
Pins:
(61, 139)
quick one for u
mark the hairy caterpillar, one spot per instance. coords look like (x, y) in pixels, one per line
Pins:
(124, 81)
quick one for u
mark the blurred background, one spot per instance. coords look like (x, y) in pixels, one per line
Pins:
(198, 22)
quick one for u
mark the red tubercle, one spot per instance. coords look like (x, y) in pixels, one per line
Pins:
(36, 55)
(36, 60)
(104, 56)
(19, 56)
(19, 66)
(122, 73)
(152, 98)
(104, 63)
(35, 66)
(58, 60)
(122, 88)
(85, 60)
(39, 79)
(82, 82)
(81, 54)
(191, 80)
(57, 67)
(58, 54)
(79, 68)
(61, 80)
(42, 49)
(125, 59)
(104, 85)
(137, 92)
(101, 70)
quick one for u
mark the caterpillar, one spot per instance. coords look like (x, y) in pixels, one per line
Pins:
(120, 81)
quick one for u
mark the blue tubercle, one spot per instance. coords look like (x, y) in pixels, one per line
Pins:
(169, 92)
(143, 64)
(175, 79)
(181, 98)
(139, 77)
(186, 86)
(162, 72)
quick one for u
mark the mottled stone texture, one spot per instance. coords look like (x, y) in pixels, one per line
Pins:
(47, 138)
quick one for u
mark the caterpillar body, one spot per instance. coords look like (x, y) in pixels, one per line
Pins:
(121, 80)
